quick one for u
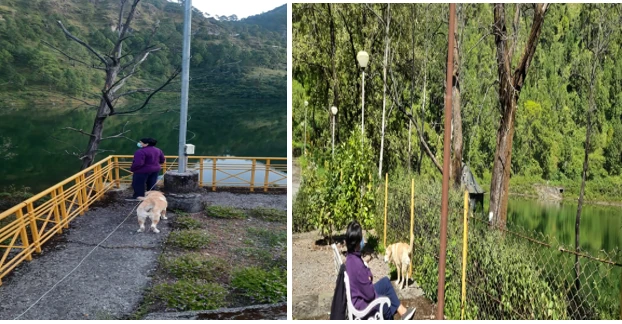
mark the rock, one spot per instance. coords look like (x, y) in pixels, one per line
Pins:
(187, 202)
(185, 182)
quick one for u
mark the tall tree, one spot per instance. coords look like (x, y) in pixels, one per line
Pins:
(456, 120)
(119, 66)
(511, 81)
(596, 35)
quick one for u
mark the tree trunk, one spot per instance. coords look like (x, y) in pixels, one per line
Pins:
(384, 87)
(510, 86)
(456, 163)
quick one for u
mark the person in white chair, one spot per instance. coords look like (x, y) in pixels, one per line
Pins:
(362, 289)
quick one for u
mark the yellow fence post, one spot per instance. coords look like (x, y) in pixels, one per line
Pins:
(56, 211)
(464, 251)
(200, 172)
(412, 223)
(621, 295)
(214, 174)
(386, 190)
(23, 234)
(117, 178)
(85, 198)
(265, 182)
(63, 207)
(34, 230)
(253, 175)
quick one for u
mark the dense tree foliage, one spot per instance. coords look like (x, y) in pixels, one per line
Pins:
(244, 58)
(551, 116)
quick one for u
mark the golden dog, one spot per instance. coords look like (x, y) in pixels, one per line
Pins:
(153, 205)
(399, 254)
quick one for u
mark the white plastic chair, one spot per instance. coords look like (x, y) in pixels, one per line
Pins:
(354, 314)
(336, 257)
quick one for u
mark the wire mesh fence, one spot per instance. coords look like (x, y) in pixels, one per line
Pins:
(511, 272)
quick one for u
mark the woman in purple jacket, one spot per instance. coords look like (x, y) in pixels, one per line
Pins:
(146, 166)
(362, 289)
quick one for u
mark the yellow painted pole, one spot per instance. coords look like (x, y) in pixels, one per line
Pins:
(214, 174)
(20, 215)
(57, 203)
(265, 182)
(621, 295)
(116, 172)
(412, 223)
(386, 191)
(465, 237)
(34, 230)
(200, 172)
(253, 175)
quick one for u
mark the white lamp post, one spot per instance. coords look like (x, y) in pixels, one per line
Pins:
(333, 110)
(363, 58)
(304, 148)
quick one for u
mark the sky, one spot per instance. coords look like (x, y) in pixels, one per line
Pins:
(242, 9)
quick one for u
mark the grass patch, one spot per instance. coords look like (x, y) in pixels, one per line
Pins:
(261, 286)
(270, 214)
(185, 295)
(225, 212)
(197, 266)
(270, 238)
(187, 222)
(189, 239)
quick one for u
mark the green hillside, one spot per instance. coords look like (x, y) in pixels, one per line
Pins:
(244, 59)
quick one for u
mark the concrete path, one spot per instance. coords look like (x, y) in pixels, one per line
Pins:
(108, 285)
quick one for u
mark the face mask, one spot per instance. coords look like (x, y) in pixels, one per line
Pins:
(362, 244)
(139, 145)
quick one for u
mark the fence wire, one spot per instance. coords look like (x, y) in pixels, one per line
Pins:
(511, 272)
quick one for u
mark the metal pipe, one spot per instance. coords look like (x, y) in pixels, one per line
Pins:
(446, 157)
(185, 78)
(363, 103)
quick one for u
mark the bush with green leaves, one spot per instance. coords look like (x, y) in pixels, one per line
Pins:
(339, 191)
(186, 295)
(260, 285)
(189, 239)
(225, 212)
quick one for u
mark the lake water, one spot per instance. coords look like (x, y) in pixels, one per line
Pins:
(600, 225)
(41, 146)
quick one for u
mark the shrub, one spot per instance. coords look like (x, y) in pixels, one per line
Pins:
(197, 266)
(269, 237)
(270, 214)
(187, 222)
(225, 212)
(189, 239)
(261, 286)
(185, 295)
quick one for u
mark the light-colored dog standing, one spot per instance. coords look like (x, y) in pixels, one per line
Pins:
(153, 205)
(399, 254)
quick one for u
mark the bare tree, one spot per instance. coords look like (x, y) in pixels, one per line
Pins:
(511, 80)
(119, 67)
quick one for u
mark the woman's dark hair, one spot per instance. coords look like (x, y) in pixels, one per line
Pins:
(150, 141)
(354, 235)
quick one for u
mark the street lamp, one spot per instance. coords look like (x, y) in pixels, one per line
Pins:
(304, 148)
(363, 58)
(333, 110)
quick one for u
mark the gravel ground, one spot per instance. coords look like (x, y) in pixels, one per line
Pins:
(247, 201)
(314, 275)
(108, 284)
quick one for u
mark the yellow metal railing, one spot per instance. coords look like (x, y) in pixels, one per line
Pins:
(24, 228)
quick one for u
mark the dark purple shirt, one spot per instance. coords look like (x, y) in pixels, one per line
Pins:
(147, 160)
(361, 281)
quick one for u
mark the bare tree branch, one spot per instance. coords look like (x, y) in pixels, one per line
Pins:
(138, 59)
(79, 41)
(144, 90)
(72, 58)
(174, 75)
(85, 102)
(79, 131)
(121, 134)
